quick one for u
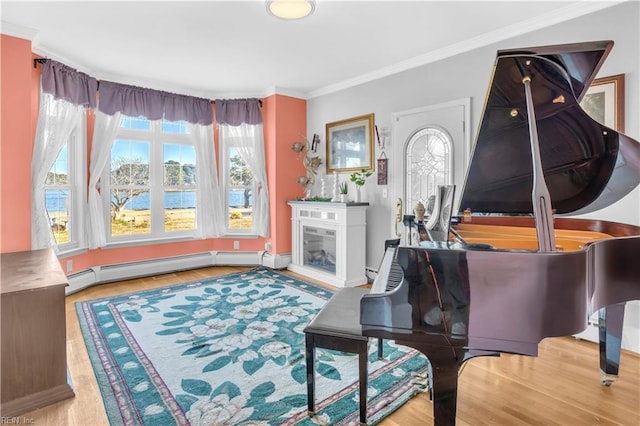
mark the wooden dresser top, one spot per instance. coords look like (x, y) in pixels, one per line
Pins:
(30, 270)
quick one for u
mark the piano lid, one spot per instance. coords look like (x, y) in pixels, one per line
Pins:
(587, 166)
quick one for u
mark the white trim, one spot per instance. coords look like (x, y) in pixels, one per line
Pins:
(277, 261)
(464, 102)
(124, 271)
(571, 11)
(15, 30)
(556, 16)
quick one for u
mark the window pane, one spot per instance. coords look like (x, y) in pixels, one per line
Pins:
(130, 163)
(130, 212)
(57, 205)
(179, 164)
(180, 210)
(137, 123)
(240, 209)
(179, 127)
(130, 188)
(428, 165)
(59, 172)
(240, 193)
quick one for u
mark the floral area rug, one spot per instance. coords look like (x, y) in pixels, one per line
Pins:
(229, 350)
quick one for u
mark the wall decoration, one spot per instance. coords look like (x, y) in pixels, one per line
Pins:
(382, 169)
(604, 101)
(311, 164)
(350, 144)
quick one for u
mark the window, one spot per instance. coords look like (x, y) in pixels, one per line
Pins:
(429, 163)
(151, 181)
(64, 192)
(239, 183)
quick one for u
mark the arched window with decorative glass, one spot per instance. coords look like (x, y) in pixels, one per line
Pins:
(429, 163)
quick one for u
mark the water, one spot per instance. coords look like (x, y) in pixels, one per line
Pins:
(56, 200)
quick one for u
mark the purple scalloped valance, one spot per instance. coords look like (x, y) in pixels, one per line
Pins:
(237, 111)
(63, 82)
(153, 104)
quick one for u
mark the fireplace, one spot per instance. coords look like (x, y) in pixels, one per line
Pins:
(319, 248)
(329, 241)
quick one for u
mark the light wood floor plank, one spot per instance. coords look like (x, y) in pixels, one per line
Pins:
(559, 387)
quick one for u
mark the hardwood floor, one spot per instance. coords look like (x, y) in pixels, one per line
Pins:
(559, 387)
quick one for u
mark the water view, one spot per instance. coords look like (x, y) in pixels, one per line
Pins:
(56, 200)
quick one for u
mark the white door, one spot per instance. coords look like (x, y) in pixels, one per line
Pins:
(430, 147)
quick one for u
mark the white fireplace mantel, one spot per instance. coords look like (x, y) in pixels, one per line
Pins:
(329, 241)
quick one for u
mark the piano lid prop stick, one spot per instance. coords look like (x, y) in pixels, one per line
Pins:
(540, 194)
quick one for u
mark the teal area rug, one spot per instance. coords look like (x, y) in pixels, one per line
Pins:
(229, 350)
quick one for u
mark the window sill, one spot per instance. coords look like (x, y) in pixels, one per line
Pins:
(149, 242)
(240, 235)
(71, 252)
(155, 241)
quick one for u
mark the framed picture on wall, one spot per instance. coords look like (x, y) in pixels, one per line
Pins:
(604, 101)
(350, 144)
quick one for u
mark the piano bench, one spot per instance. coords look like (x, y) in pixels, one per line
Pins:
(337, 327)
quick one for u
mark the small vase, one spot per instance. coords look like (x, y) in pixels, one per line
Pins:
(358, 194)
(343, 198)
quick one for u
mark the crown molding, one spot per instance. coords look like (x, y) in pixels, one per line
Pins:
(277, 90)
(557, 16)
(16, 30)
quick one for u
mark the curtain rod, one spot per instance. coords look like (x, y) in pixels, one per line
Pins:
(37, 61)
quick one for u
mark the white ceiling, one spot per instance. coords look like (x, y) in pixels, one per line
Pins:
(218, 49)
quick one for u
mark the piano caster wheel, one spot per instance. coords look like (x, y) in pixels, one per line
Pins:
(607, 379)
(311, 413)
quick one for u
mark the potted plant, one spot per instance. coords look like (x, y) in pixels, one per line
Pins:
(359, 179)
(343, 192)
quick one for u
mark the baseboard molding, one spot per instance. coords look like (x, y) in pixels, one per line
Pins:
(278, 261)
(36, 400)
(117, 272)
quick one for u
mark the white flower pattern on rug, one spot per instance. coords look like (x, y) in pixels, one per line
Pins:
(234, 343)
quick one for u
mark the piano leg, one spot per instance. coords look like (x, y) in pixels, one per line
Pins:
(310, 355)
(445, 389)
(610, 320)
(444, 378)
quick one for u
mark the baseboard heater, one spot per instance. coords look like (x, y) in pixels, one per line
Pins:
(124, 271)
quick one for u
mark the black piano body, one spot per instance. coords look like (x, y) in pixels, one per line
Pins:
(457, 300)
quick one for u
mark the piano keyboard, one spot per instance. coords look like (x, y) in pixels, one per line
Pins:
(390, 274)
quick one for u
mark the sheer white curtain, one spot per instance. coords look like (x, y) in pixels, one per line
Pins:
(249, 140)
(104, 132)
(56, 120)
(209, 214)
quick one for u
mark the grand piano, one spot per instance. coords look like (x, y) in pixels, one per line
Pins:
(511, 270)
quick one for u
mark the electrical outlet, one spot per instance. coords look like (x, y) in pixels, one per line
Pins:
(236, 245)
(267, 246)
(384, 192)
(69, 265)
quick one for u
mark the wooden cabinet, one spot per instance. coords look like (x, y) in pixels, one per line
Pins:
(33, 332)
(329, 241)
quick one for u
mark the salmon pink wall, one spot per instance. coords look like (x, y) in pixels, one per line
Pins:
(16, 142)
(284, 121)
(287, 118)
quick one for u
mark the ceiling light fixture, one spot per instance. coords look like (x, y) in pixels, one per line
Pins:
(291, 9)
